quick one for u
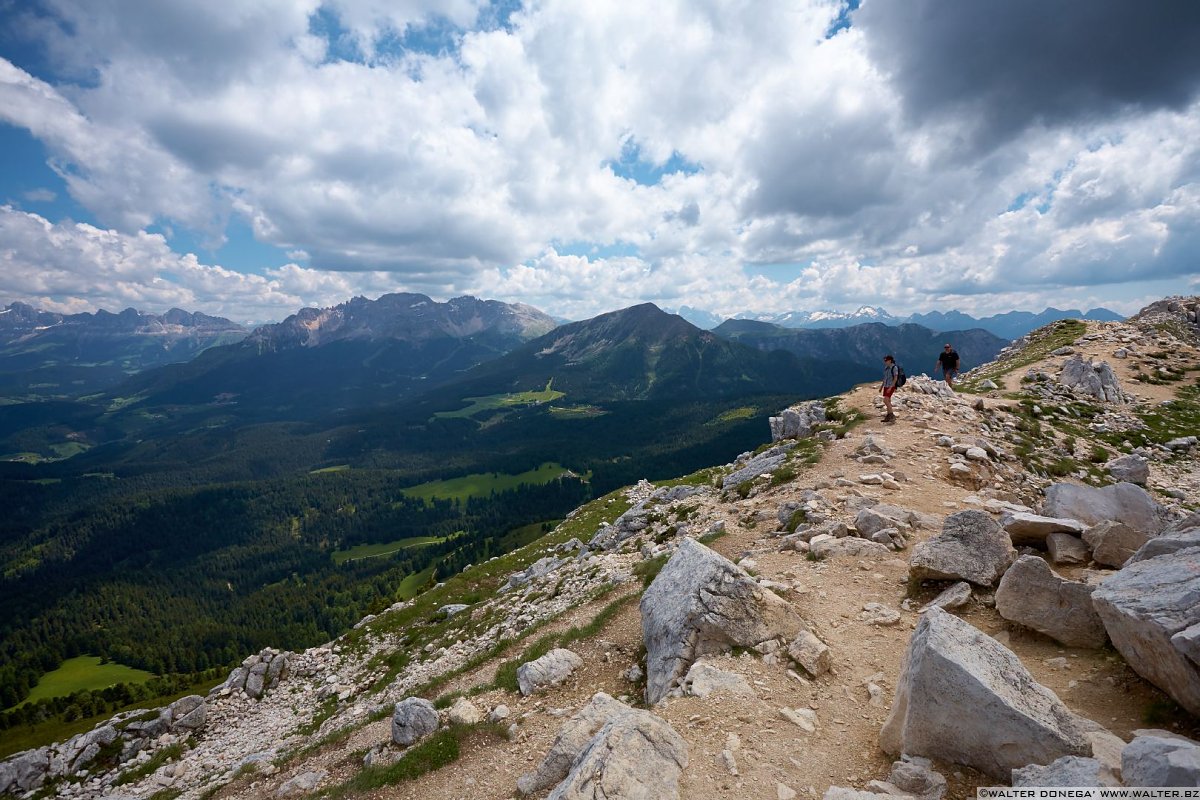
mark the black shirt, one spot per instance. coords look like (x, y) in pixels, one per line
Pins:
(949, 359)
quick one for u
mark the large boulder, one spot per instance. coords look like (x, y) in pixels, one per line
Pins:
(548, 670)
(1092, 379)
(413, 719)
(1031, 594)
(963, 697)
(1024, 528)
(797, 421)
(971, 547)
(1161, 760)
(571, 740)
(1143, 606)
(1121, 502)
(1113, 543)
(188, 713)
(635, 755)
(24, 771)
(702, 603)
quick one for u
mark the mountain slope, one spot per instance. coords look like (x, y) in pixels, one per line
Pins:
(48, 354)
(915, 347)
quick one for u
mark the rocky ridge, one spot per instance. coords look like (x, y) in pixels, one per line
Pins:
(798, 622)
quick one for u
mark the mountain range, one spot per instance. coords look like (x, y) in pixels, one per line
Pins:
(914, 346)
(1010, 325)
(46, 354)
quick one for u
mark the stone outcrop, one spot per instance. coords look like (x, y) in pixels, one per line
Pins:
(634, 755)
(548, 670)
(120, 739)
(702, 603)
(797, 422)
(755, 465)
(1121, 502)
(571, 740)
(1031, 594)
(413, 719)
(951, 671)
(608, 750)
(1092, 379)
(257, 674)
(971, 547)
(1143, 606)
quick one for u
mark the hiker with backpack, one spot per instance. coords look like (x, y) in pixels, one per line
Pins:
(948, 363)
(893, 379)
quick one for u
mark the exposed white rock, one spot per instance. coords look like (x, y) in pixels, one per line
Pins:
(1121, 502)
(1158, 760)
(950, 672)
(548, 670)
(704, 679)
(971, 547)
(413, 719)
(701, 603)
(572, 738)
(1065, 771)
(1025, 528)
(1113, 543)
(1143, 606)
(1031, 594)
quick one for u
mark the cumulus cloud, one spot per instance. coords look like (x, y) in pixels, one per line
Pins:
(940, 153)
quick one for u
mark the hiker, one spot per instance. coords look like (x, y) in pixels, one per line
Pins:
(947, 362)
(891, 379)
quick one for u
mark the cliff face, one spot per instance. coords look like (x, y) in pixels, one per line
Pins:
(788, 640)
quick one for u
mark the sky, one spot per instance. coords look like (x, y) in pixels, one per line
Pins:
(247, 159)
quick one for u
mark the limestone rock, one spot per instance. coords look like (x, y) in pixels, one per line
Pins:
(701, 603)
(951, 671)
(464, 712)
(188, 713)
(797, 421)
(1129, 469)
(635, 755)
(549, 670)
(1113, 543)
(703, 679)
(1092, 379)
(1065, 771)
(1121, 502)
(971, 547)
(1143, 606)
(956, 596)
(571, 740)
(1031, 594)
(1161, 761)
(1067, 549)
(1025, 528)
(811, 653)
(413, 719)
(823, 546)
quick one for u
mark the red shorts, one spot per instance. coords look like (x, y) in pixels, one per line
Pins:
(888, 391)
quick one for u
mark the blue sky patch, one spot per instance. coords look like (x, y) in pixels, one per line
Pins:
(843, 18)
(633, 166)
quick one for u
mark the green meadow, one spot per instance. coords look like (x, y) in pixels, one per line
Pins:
(483, 484)
(383, 549)
(84, 672)
(510, 400)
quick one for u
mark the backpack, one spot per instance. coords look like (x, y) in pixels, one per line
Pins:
(901, 378)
